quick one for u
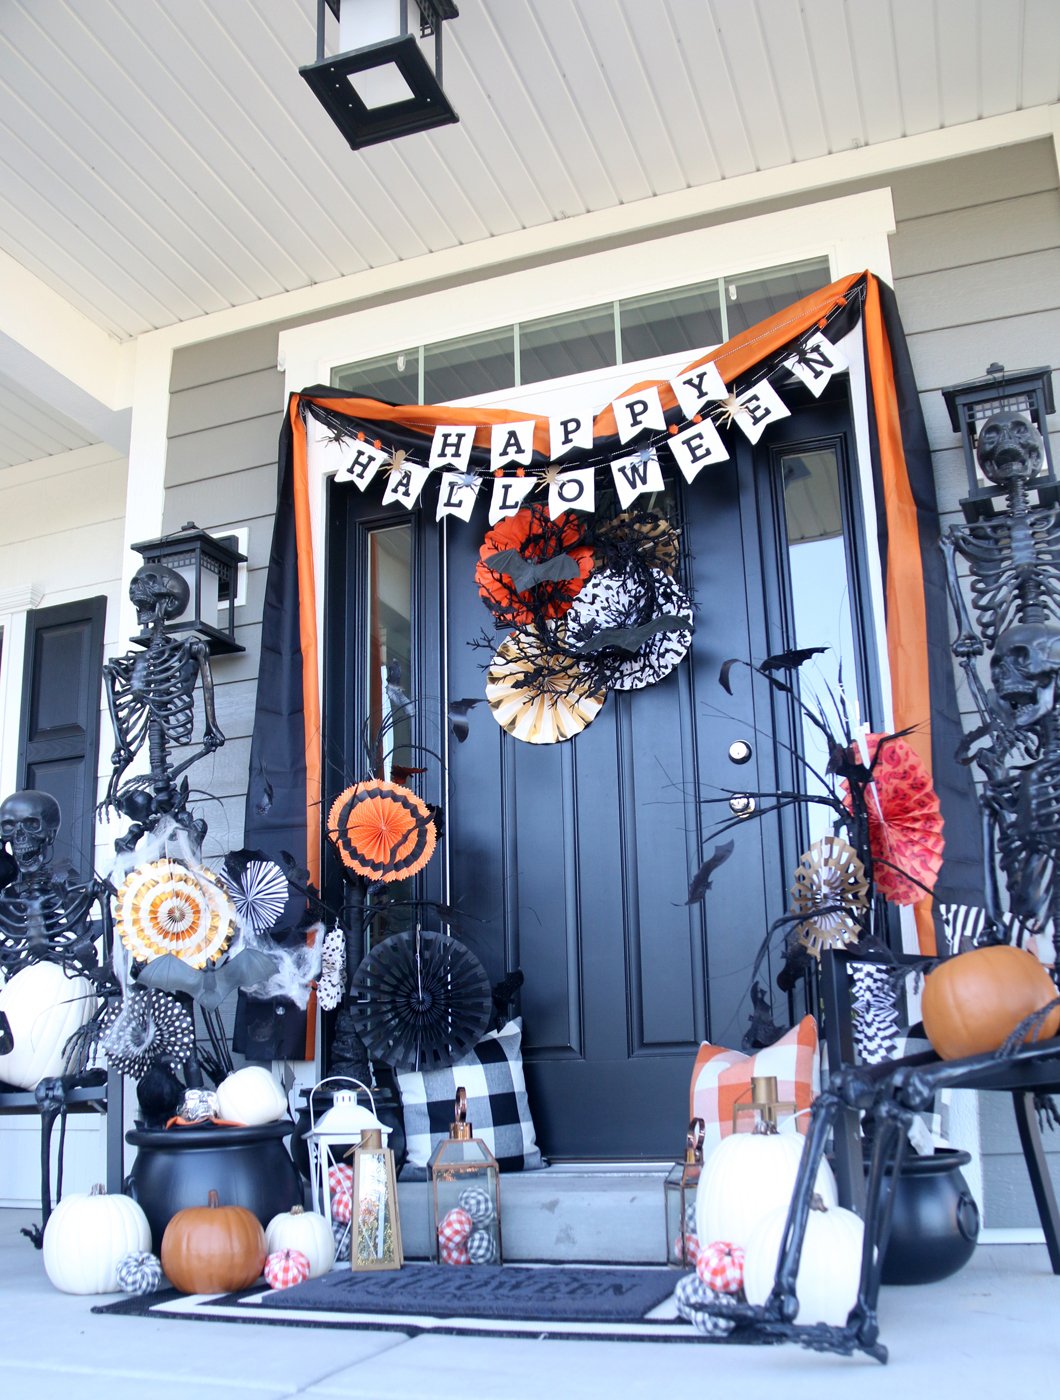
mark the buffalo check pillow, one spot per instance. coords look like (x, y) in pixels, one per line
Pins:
(497, 1107)
(721, 1077)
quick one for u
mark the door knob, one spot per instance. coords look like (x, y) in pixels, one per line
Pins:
(740, 805)
(740, 752)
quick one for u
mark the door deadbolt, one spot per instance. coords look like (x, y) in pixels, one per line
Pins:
(740, 752)
(741, 805)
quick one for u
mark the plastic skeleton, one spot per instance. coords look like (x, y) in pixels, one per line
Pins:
(1014, 567)
(150, 696)
(43, 918)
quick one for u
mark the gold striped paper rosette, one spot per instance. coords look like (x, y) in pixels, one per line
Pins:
(538, 698)
(166, 906)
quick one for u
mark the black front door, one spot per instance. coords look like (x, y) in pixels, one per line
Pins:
(572, 861)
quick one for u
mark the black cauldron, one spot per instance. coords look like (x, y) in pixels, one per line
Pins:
(936, 1221)
(179, 1167)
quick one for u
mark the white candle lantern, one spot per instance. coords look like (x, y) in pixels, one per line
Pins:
(328, 1141)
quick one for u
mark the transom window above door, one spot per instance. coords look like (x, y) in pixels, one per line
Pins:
(590, 338)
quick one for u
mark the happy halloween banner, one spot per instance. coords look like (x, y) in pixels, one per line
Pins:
(499, 457)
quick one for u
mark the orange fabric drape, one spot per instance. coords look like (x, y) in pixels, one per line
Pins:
(307, 624)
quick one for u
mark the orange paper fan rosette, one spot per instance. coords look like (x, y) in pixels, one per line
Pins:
(514, 532)
(382, 830)
(905, 822)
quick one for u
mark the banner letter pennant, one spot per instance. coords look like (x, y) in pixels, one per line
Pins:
(511, 444)
(457, 494)
(570, 432)
(638, 413)
(635, 474)
(697, 447)
(329, 453)
(573, 490)
(509, 492)
(364, 462)
(697, 387)
(757, 408)
(452, 447)
(815, 361)
(405, 484)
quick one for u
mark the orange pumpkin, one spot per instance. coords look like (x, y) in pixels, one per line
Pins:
(974, 1001)
(213, 1248)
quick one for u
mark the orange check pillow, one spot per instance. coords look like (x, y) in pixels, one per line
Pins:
(722, 1076)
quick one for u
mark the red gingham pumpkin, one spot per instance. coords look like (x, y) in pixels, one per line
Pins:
(693, 1248)
(453, 1254)
(286, 1267)
(340, 1184)
(720, 1266)
(455, 1228)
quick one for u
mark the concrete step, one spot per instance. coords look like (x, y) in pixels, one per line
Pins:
(591, 1213)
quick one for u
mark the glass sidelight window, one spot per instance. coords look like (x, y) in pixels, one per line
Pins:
(389, 660)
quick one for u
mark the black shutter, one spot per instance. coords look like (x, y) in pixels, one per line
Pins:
(58, 750)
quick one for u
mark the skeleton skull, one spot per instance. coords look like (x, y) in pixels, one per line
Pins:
(1023, 668)
(30, 822)
(1009, 448)
(158, 592)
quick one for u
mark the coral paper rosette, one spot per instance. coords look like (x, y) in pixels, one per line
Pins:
(905, 822)
(166, 906)
(382, 830)
(536, 537)
(537, 697)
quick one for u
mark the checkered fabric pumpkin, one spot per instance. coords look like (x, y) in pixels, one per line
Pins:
(342, 1236)
(340, 1184)
(286, 1267)
(720, 1266)
(455, 1228)
(453, 1254)
(482, 1247)
(140, 1273)
(688, 1238)
(691, 1289)
(478, 1205)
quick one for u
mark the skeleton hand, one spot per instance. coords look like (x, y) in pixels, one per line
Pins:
(967, 646)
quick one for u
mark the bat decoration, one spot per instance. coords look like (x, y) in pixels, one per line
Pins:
(762, 1031)
(726, 668)
(208, 986)
(458, 711)
(264, 803)
(701, 883)
(790, 660)
(631, 639)
(525, 573)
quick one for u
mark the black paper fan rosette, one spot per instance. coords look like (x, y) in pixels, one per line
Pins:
(421, 1001)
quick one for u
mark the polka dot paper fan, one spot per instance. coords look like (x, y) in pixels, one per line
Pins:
(617, 600)
(166, 906)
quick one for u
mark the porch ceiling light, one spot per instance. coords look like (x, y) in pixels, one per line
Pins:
(381, 86)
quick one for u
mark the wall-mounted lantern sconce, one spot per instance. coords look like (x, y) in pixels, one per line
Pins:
(381, 86)
(210, 567)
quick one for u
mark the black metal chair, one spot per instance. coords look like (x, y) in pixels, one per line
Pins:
(1022, 1077)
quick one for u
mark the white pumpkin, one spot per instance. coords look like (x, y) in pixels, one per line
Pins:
(305, 1230)
(87, 1237)
(251, 1096)
(829, 1266)
(747, 1176)
(44, 1008)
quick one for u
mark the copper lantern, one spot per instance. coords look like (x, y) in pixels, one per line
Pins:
(464, 1196)
(679, 1192)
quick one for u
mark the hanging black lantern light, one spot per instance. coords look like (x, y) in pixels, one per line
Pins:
(381, 86)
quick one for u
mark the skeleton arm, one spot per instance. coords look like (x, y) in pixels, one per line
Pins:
(212, 738)
(114, 676)
(968, 643)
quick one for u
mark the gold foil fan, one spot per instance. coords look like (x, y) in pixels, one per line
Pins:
(538, 698)
(659, 543)
(830, 889)
(167, 907)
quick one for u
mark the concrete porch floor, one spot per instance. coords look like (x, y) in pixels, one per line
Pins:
(993, 1329)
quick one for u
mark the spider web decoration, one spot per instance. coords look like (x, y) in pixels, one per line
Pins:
(421, 1001)
(166, 906)
(830, 891)
(258, 888)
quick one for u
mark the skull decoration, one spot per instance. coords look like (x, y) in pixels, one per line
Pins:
(1023, 668)
(158, 592)
(1009, 448)
(29, 821)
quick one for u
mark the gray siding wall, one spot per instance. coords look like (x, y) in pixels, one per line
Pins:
(976, 260)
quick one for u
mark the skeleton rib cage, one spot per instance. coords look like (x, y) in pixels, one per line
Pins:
(1014, 567)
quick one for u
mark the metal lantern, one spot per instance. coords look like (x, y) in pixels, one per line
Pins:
(1026, 391)
(679, 1193)
(375, 1241)
(381, 86)
(328, 1143)
(210, 567)
(764, 1104)
(464, 1196)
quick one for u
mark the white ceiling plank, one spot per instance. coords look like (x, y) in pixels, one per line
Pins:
(833, 65)
(1000, 46)
(957, 23)
(872, 44)
(747, 60)
(1040, 78)
(698, 35)
(780, 23)
(918, 74)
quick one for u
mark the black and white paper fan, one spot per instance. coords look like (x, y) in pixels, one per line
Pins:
(612, 601)
(146, 1027)
(258, 888)
(422, 1001)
